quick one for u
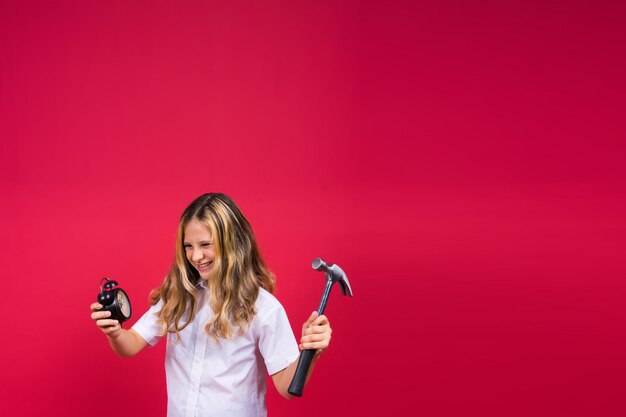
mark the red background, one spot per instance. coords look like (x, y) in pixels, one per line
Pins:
(462, 161)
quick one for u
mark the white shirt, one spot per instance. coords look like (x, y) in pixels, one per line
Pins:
(229, 379)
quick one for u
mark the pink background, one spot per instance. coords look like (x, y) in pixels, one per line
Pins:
(462, 161)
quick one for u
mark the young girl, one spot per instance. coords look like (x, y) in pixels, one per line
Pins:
(224, 327)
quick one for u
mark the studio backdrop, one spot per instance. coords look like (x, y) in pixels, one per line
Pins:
(462, 161)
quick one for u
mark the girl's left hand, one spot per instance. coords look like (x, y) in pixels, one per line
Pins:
(316, 333)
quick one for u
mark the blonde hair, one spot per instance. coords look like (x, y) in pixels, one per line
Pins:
(237, 274)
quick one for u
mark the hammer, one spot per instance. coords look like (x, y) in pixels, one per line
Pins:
(333, 274)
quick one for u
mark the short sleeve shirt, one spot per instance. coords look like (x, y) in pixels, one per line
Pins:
(206, 379)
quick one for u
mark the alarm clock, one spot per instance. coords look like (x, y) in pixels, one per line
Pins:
(115, 300)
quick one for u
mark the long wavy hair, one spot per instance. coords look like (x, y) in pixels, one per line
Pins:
(237, 274)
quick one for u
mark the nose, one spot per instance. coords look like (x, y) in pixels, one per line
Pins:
(197, 255)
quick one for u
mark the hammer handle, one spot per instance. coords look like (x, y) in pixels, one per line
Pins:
(304, 362)
(297, 383)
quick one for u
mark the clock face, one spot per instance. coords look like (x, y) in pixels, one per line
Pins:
(124, 303)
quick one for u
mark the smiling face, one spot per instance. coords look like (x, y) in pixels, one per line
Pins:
(199, 248)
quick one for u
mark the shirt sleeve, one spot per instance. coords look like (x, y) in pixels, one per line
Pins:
(277, 343)
(148, 326)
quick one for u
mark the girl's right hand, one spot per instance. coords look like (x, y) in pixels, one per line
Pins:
(108, 326)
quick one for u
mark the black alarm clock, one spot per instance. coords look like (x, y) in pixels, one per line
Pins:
(115, 300)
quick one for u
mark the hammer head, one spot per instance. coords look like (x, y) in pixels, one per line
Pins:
(334, 273)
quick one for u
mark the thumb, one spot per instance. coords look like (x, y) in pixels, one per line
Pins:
(311, 319)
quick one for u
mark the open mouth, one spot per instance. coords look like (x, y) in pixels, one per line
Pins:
(205, 266)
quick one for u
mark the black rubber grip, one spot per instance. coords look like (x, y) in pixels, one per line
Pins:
(297, 383)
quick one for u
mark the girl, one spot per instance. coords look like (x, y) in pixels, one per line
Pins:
(224, 327)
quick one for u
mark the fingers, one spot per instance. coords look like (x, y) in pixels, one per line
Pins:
(108, 326)
(98, 315)
(318, 339)
(314, 342)
(310, 320)
(316, 329)
(105, 324)
(316, 333)
(315, 320)
(320, 320)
